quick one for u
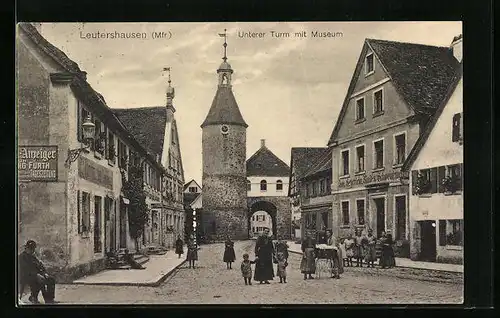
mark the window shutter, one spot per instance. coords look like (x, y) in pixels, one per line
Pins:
(79, 115)
(433, 179)
(79, 211)
(414, 178)
(442, 232)
(455, 135)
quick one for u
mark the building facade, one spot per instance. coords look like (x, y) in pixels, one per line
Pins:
(267, 188)
(316, 196)
(71, 203)
(301, 160)
(436, 163)
(223, 154)
(389, 101)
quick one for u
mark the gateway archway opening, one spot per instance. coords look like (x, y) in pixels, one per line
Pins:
(261, 214)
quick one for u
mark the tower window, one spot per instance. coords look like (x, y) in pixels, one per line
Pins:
(249, 185)
(263, 185)
(279, 185)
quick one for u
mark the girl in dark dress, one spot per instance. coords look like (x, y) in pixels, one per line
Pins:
(385, 257)
(229, 255)
(264, 253)
(179, 246)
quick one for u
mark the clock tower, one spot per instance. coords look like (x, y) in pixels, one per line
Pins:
(224, 193)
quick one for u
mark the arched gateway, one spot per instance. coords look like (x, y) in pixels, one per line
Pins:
(279, 210)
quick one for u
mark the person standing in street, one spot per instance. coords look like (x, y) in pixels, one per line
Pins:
(349, 248)
(308, 263)
(282, 247)
(281, 267)
(229, 255)
(246, 269)
(264, 253)
(337, 261)
(370, 250)
(33, 273)
(358, 248)
(192, 253)
(179, 246)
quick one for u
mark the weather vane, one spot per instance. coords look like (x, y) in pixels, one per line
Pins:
(167, 69)
(224, 35)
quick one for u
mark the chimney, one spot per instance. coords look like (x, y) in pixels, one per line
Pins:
(262, 143)
(456, 47)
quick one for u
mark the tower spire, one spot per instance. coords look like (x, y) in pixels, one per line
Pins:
(170, 90)
(225, 44)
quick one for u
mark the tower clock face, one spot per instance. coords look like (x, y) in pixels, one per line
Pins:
(224, 129)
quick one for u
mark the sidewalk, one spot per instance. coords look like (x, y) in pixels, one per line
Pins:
(157, 269)
(403, 262)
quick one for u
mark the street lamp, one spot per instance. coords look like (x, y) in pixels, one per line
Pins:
(88, 136)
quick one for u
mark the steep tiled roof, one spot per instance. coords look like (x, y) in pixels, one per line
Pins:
(224, 109)
(147, 125)
(189, 198)
(430, 126)
(82, 89)
(304, 158)
(322, 163)
(420, 73)
(265, 163)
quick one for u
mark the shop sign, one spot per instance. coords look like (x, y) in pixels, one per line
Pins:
(373, 178)
(95, 173)
(37, 163)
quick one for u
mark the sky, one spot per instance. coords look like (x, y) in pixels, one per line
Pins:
(289, 89)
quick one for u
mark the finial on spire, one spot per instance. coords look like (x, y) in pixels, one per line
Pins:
(224, 35)
(167, 69)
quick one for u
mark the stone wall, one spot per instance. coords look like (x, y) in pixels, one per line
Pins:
(282, 216)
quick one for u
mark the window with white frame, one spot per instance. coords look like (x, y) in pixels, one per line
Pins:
(378, 147)
(360, 108)
(378, 102)
(279, 185)
(400, 151)
(360, 158)
(451, 232)
(263, 185)
(345, 212)
(369, 66)
(345, 162)
(314, 189)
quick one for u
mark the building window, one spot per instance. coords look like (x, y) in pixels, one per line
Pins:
(253, 229)
(322, 186)
(456, 132)
(263, 185)
(345, 162)
(360, 211)
(328, 185)
(360, 158)
(400, 206)
(345, 212)
(454, 232)
(369, 64)
(122, 155)
(378, 103)
(442, 232)
(97, 224)
(99, 137)
(82, 116)
(279, 185)
(360, 109)
(111, 148)
(379, 154)
(425, 181)
(400, 145)
(314, 190)
(193, 189)
(306, 190)
(263, 217)
(85, 215)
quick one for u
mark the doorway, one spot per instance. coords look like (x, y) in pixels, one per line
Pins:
(380, 212)
(109, 236)
(428, 241)
(123, 226)
(97, 224)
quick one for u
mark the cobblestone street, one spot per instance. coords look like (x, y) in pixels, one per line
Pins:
(212, 283)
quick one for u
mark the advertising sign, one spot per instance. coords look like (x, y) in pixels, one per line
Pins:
(37, 163)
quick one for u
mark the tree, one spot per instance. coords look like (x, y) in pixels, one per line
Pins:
(133, 189)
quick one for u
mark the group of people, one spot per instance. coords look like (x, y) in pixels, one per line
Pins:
(192, 250)
(364, 248)
(333, 253)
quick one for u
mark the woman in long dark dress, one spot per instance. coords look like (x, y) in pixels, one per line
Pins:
(308, 263)
(192, 253)
(385, 257)
(264, 253)
(179, 246)
(229, 255)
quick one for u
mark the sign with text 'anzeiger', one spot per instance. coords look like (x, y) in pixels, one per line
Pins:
(37, 163)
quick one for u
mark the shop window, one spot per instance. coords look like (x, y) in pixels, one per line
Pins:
(345, 212)
(360, 210)
(279, 185)
(400, 206)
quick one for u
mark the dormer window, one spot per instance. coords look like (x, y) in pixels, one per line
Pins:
(369, 66)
